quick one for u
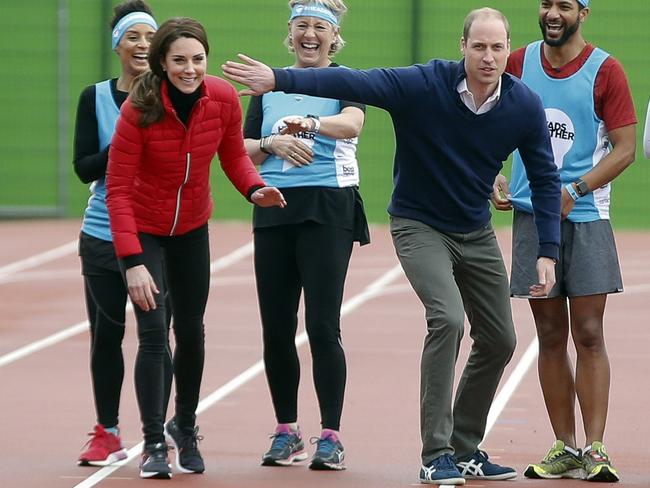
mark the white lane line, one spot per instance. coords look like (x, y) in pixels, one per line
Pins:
(508, 389)
(218, 264)
(527, 360)
(37, 259)
(371, 291)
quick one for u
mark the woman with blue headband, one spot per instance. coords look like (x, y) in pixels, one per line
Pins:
(132, 28)
(306, 146)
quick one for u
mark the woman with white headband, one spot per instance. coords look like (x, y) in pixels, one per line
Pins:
(306, 146)
(132, 27)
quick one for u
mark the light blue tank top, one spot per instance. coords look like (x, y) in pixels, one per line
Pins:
(334, 164)
(578, 135)
(95, 222)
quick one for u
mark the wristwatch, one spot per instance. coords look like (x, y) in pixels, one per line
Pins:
(316, 120)
(582, 188)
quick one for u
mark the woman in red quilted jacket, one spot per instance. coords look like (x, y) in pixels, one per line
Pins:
(158, 196)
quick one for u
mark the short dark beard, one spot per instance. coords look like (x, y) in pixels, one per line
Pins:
(569, 30)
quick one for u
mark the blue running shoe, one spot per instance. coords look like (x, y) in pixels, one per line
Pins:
(286, 448)
(441, 471)
(478, 467)
(329, 453)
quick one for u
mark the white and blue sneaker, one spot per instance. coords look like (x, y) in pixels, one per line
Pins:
(478, 467)
(441, 471)
(329, 453)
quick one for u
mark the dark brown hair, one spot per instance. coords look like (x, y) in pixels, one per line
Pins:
(128, 7)
(145, 94)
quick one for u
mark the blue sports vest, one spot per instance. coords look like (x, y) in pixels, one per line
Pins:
(578, 136)
(95, 222)
(334, 163)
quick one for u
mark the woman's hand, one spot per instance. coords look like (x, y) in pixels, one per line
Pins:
(268, 196)
(141, 287)
(292, 150)
(295, 125)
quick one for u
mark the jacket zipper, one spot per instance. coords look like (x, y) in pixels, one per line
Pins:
(188, 163)
(179, 194)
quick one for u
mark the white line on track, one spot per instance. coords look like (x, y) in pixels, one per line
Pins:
(377, 288)
(371, 291)
(218, 264)
(37, 259)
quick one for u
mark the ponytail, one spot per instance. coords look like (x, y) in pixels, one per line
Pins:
(146, 97)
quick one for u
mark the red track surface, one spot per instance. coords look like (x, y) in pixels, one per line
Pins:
(47, 406)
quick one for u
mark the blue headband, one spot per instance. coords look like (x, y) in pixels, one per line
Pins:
(128, 21)
(318, 10)
(584, 3)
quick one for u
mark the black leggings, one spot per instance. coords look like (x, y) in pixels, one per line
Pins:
(185, 262)
(106, 296)
(289, 259)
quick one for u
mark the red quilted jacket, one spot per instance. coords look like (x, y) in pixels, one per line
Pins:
(157, 180)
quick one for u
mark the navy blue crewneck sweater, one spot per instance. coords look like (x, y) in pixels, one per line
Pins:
(447, 157)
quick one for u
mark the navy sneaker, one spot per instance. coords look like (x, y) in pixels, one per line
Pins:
(329, 453)
(188, 457)
(478, 467)
(155, 463)
(441, 471)
(286, 448)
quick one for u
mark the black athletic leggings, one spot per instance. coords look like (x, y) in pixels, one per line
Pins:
(289, 259)
(185, 260)
(106, 296)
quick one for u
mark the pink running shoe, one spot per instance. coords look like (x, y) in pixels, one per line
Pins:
(102, 449)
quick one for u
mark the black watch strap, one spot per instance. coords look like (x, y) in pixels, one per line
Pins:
(582, 188)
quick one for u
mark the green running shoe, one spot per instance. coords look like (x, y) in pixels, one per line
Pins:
(558, 463)
(597, 464)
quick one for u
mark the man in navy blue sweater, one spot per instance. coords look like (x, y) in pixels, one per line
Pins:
(455, 123)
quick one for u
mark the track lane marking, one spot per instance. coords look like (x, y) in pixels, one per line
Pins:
(372, 290)
(37, 260)
(28, 349)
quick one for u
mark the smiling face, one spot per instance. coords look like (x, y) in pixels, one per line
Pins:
(185, 64)
(133, 49)
(560, 20)
(486, 50)
(311, 40)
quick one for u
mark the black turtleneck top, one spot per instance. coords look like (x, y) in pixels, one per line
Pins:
(182, 102)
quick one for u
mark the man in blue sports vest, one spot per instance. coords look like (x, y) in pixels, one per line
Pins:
(591, 122)
(455, 123)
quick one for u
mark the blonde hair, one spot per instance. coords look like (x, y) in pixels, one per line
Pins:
(337, 7)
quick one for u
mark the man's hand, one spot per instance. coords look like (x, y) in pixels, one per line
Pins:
(545, 278)
(567, 204)
(257, 76)
(141, 287)
(268, 196)
(501, 193)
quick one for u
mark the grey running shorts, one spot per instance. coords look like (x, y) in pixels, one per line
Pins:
(588, 262)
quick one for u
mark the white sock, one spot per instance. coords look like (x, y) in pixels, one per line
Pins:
(573, 451)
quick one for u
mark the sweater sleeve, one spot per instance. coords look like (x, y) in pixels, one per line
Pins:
(89, 159)
(544, 180)
(123, 162)
(235, 162)
(386, 88)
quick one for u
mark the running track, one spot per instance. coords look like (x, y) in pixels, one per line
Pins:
(47, 407)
